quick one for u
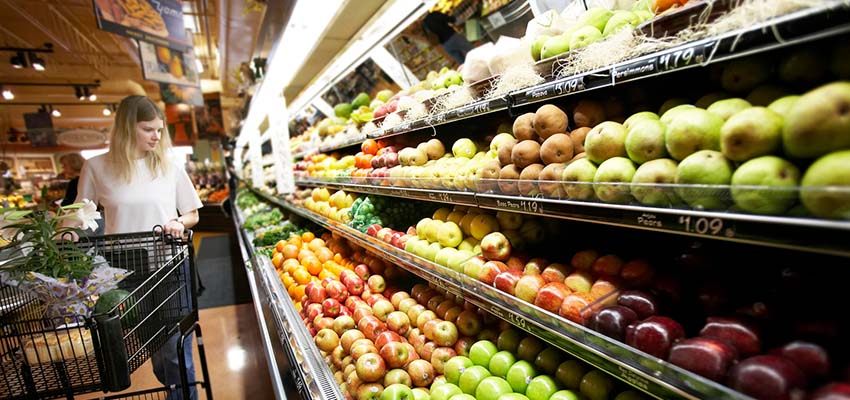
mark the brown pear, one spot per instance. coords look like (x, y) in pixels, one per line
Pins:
(578, 135)
(525, 153)
(508, 177)
(549, 120)
(528, 179)
(558, 148)
(588, 113)
(505, 151)
(488, 174)
(579, 156)
(524, 127)
(552, 173)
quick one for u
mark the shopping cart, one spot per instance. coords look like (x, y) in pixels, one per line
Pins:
(63, 357)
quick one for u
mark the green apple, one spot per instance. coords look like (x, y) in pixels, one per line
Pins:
(726, 108)
(444, 255)
(570, 372)
(473, 266)
(604, 141)
(584, 36)
(423, 227)
(519, 375)
(622, 19)
(411, 244)
(548, 360)
(449, 234)
(492, 388)
(645, 140)
(630, 395)
(509, 339)
(471, 377)
(692, 130)
(434, 230)
(513, 396)
(751, 133)
(564, 395)
(619, 171)
(444, 391)
(397, 391)
(457, 259)
(635, 118)
(577, 177)
(431, 251)
(464, 148)
(783, 105)
(779, 179)
(500, 363)
(481, 352)
(553, 46)
(830, 170)
(705, 167)
(420, 247)
(596, 385)
(455, 367)
(818, 123)
(646, 180)
(541, 388)
(596, 17)
(500, 140)
(420, 394)
(462, 396)
(439, 380)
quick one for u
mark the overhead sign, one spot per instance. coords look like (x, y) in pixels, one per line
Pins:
(155, 21)
(161, 64)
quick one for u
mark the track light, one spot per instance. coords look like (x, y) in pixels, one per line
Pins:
(78, 91)
(36, 61)
(7, 93)
(56, 113)
(19, 60)
(107, 112)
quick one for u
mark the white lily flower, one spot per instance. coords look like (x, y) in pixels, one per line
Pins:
(87, 215)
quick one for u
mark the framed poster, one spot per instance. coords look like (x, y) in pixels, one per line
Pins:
(209, 118)
(40, 129)
(165, 65)
(176, 94)
(155, 21)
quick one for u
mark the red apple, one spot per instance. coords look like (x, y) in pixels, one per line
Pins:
(386, 337)
(453, 313)
(371, 368)
(418, 342)
(427, 350)
(638, 272)
(395, 354)
(440, 356)
(444, 307)
(516, 263)
(767, 377)
(584, 259)
(336, 290)
(576, 307)
(397, 297)
(445, 333)
(812, 359)
(468, 323)
(535, 266)
(603, 291)
(642, 303)
(313, 311)
(579, 281)
(372, 328)
(655, 335)
(398, 322)
(434, 302)
(421, 373)
(323, 323)
(373, 229)
(551, 296)
(607, 265)
(349, 337)
(555, 272)
(706, 357)
(330, 307)
(743, 336)
(355, 286)
(317, 294)
(373, 298)
(496, 247)
(490, 270)
(327, 340)
(506, 281)
(528, 286)
(428, 328)
(463, 344)
(377, 284)
(362, 270)
(612, 321)
(382, 308)
(832, 391)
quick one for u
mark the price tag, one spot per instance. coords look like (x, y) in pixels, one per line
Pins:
(634, 379)
(635, 69)
(649, 220)
(706, 226)
(683, 57)
(402, 128)
(570, 86)
(496, 19)
(437, 119)
(398, 192)
(531, 206)
(441, 197)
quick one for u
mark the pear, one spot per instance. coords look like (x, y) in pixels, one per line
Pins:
(588, 113)
(705, 167)
(830, 170)
(818, 122)
(554, 46)
(645, 140)
(839, 63)
(751, 133)
(783, 105)
(537, 46)
(779, 178)
(596, 17)
(803, 68)
(691, 130)
(711, 98)
(766, 94)
(668, 113)
(743, 75)
(649, 180)
(604, 141)
(577, 177)
(728, 107)
(584, 36)
(639, 117)
(619, 171)
(622, 19)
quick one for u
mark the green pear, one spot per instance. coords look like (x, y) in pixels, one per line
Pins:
(596, 17)
(577, 177)
(830, 170)
(803, 68)
(621, 19)
(617, 170)
(692, 130)
(672, 104)
(766, 94)
(743, 75)
(728, 107)
(604, 141)
(537, 46)
(839, 63)
(705, 167)
(649, 180)
(584, 36)
(645, 140)
(711, 98)
(783, 105)
(780, 179)
(639, 117)
(819, 122)
(753, 132)
(554, 46)
(644, 15)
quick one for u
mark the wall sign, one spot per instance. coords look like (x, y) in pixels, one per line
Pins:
(155, 21)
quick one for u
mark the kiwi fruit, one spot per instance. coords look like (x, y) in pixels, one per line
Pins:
(588, 113)
(558, 148)
(525, 153)
(507, 179)
(528, 179)
(549, 120)
(505, 151)
(578, 135)
(524, 127)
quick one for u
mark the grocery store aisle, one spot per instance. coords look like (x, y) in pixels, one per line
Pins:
(238, 368)
(223, 276)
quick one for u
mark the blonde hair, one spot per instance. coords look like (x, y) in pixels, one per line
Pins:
(75, 161)
(122, 145)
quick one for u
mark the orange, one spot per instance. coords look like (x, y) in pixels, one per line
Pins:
(304, 253)
(287, 280)
(290, 251)
(313, 265)
(370, 146)
(279, 246)
(324, 254)
(307, 236)
(299, 292)
(302, 277)
(316, 244)
(277, 260)
(290, 265)
(295, 240)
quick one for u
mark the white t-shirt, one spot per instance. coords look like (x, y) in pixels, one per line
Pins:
(139, 206)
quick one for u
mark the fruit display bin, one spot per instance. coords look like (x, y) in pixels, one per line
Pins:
(643, 371)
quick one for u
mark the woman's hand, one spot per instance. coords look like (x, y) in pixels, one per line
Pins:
(174, 228)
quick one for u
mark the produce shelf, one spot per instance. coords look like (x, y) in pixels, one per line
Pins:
(797, 233)
(472, 110)
(647, 373)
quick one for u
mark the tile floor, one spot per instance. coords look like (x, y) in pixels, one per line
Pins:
(235, 358)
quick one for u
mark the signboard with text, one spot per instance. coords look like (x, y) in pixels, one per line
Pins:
(154, 21)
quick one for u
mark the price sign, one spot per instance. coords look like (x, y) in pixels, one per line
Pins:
(569, 86)
(437, 119)
(634, 379)
(441, 197)
(531, 206)
(635, 69)
(683, 57)
(706, 226)
(398, 192)
(402, 128)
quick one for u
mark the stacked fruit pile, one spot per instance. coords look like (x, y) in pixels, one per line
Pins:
(304, 259)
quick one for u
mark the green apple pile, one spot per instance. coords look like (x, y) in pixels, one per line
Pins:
(429, 165)
(453, 236)
(593, 25)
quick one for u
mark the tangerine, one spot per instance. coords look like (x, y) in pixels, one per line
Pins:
(290, 251)
(277, 260)
(313, 265)
(369, 146)
(302, 277)
(307, 236)
(279, 246)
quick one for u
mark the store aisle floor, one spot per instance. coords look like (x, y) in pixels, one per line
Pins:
(238, 368)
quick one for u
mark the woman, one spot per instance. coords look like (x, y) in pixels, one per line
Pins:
(72, 164)
(139, 188)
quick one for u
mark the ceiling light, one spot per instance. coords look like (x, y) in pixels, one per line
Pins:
(7, 94)
(19, 60)
(106, 111)
(37, 62)
(92, 97)
(78, 91)
(56, 113)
